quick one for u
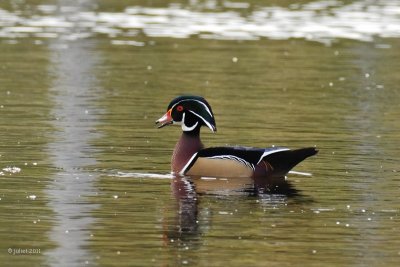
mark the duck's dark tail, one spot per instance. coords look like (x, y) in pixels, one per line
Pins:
(282, 162)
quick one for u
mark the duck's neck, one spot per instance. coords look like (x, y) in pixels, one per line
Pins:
(188, 144)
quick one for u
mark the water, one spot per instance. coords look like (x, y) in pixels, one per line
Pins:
(322, 21)
(85, 174)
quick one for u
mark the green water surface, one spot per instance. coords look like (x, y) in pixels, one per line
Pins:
(77, 142)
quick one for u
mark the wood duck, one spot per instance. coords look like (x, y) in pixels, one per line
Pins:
(192, 159)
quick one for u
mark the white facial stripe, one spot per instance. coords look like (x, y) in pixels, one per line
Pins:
(205, 121)
(177, 103)
(205, 106)
(189, 129)
(186, 128)
(192, 99)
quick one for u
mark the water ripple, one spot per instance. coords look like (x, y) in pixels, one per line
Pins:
(321, 21)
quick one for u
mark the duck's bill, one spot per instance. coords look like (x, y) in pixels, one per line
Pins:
(164, 120)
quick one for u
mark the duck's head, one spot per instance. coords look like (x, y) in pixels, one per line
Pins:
(191, 112)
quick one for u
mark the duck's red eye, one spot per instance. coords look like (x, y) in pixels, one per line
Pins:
(179, 108)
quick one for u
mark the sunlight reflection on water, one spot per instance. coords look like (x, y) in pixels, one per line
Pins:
(321, 21)
(71, 152)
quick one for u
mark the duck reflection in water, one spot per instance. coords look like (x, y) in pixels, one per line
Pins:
(192, 220)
